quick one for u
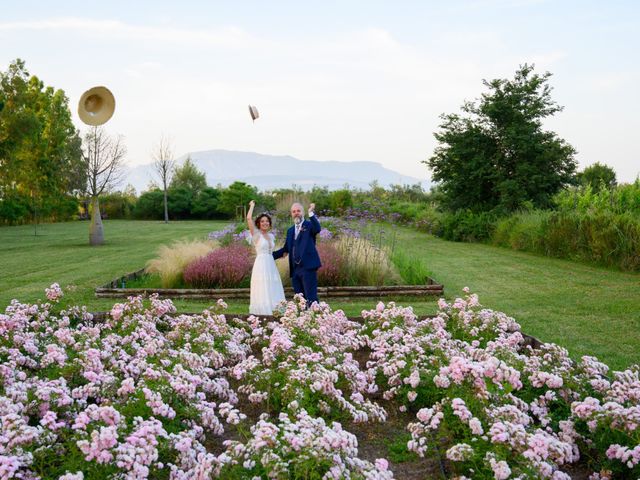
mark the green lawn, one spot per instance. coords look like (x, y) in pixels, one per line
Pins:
(589, 310)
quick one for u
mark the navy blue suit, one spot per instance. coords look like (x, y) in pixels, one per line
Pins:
(304, 260)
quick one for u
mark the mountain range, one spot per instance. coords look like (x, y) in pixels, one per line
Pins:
(269, 172)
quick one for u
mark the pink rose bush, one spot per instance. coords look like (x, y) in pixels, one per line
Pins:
(502, 409)
(107, 397)
(293, 447)
(148, 393)
(307, 361)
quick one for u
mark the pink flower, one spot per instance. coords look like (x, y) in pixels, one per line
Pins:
(72, 476)
(501, 470)
(382, 464)
(116, 311)
(54, 292)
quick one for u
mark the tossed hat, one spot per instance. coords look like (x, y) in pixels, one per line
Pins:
(96, 106)
(253, 111)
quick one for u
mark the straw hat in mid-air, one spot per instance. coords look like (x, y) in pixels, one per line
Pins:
(96, 106)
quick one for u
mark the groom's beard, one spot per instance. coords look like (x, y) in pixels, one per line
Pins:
(297, 220)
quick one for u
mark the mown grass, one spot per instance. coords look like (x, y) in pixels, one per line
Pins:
(589, 310)
(61, 253)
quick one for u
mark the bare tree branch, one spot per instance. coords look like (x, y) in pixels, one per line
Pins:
(104, 157)
(164, 163)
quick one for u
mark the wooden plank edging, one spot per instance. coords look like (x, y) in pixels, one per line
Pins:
(114, 289)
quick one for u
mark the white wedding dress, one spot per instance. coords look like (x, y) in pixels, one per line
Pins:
(266, 285)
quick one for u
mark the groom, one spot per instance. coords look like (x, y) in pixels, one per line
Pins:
(304, 260)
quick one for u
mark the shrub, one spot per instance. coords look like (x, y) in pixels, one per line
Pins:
(172, 260)
(117, 205)
(232, 233)
(429, 220)
(225, 267)
(283, 269)
(521, 231)
(467, 226)
(14, 208)
(598, 236)
(150, 205)
(624, 198)
(333, 270)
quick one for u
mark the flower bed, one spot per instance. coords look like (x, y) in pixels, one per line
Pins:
(152, 394)
(353, 265)
(352, 254)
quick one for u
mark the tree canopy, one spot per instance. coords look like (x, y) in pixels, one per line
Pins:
(496, 155)
(235, 197)
(188, 176)
(40, 149)
(597, 176)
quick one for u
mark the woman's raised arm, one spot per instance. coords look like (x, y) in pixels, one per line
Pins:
(250, 223)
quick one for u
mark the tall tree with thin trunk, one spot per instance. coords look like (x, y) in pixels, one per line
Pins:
(104, 161)
(164, 163)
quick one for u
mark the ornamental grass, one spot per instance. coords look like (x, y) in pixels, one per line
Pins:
(172, 260)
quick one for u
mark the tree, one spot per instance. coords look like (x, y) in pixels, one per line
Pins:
(235, 197)
(104, 162)
(205, 205)
(40, 149)
(340, 200)
(188, 176)
(149, 205)
(496, 156)
(164, 164)
(597, 176)
(181, 200)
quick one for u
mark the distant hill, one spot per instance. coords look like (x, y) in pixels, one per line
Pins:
(268, 172)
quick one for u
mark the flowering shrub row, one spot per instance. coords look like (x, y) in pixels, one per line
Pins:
(144, 393)
(225, 260)
(225, 267)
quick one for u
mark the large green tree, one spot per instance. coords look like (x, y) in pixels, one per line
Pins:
(40, 149)
(235, 198)
(496, 155)
(188, 176)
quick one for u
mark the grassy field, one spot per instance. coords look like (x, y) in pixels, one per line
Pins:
(60, 253)
(589, 310)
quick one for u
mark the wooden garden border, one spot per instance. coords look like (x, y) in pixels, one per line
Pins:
(114, 289)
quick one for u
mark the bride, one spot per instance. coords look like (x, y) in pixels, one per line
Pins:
(266, 285)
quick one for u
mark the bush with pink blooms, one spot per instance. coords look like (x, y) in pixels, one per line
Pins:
(295, 447)
(226, 267)
(148, 393)
(495, 408)
(332, 272)
(306, 361)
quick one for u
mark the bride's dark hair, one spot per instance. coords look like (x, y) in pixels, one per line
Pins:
(260, 217)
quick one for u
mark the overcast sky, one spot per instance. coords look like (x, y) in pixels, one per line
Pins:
(333, 80)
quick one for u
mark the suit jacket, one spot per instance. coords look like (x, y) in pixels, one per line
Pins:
(302, 251)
